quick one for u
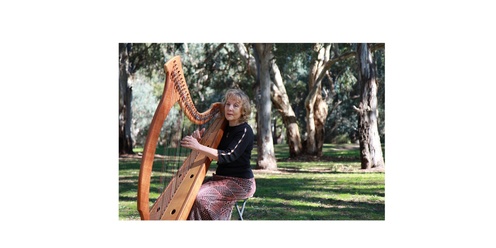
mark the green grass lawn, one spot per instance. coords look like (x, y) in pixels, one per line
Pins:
(331, 188)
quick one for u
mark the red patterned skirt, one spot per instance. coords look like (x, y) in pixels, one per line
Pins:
(217, 196)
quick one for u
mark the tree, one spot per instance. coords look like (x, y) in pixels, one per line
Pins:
(370, 143)
(125, 97)
(325, 75)
(266, 157)
(279, 98)
(315, 105)
(281, 101)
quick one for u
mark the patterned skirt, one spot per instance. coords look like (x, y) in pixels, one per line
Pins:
(217, 196)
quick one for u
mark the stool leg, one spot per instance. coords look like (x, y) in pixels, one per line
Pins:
(240, 211)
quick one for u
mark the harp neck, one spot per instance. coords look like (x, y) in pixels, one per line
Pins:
(176, 83)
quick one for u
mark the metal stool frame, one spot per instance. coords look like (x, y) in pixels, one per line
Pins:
(242, 209)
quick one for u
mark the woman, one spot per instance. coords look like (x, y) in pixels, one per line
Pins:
(233, 180)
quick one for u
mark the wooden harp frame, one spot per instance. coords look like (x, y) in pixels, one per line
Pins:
(175, 202)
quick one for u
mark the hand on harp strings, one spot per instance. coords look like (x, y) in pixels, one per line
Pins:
(197, 134)
(192, 141)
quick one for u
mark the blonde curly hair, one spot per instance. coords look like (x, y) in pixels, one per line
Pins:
(240, 96)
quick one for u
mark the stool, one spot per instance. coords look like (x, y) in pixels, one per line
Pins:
(242, 209)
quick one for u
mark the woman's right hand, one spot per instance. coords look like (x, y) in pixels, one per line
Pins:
(197, 134)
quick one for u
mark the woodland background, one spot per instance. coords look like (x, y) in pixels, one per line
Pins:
(315, 92)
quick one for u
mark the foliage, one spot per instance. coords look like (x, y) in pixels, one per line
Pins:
(144, 104)
(144, 57)
(211, 68)
(143, 108)
(293, 59)
(293, 55)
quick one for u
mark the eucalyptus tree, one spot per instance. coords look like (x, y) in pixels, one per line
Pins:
(266, 157)
(320, 77)
(315, 104)
(370, 144)
(278, 94)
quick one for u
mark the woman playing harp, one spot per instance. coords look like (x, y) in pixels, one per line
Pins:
(233, 179)
(176, 201)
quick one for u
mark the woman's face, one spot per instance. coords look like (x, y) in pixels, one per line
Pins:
(232, 110)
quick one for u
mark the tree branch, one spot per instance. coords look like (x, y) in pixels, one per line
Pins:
(347, 55)
(331, 62)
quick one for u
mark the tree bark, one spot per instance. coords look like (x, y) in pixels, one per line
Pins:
(316, 107)
(370, 143)
(281, 102)
(265, 147)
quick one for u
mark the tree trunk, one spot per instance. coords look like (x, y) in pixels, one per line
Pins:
(320, 118)
(125, 97)
(315, 105)
(280, 100)
(370, 143)
(265, 147)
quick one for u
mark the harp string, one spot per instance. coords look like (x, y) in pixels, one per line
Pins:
(168, 150)
(172, 169)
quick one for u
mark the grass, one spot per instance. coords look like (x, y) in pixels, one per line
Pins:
(331, 188)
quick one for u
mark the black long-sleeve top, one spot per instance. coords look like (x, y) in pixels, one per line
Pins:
(234, 152)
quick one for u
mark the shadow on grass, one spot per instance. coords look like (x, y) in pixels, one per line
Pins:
(304, 199)
(301, 191)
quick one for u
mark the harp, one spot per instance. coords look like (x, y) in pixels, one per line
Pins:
(176, 200)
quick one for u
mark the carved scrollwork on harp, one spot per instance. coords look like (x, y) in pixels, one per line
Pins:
(175, 202)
